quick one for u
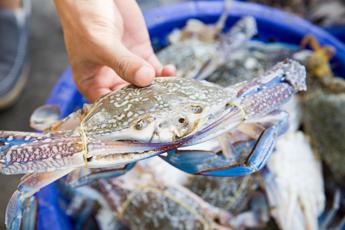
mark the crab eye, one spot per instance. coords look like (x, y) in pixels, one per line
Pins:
(230, 105)
(183, 121)
(141, 124)
(197, 109)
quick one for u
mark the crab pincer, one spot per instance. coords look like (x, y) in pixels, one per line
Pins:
(254, 116)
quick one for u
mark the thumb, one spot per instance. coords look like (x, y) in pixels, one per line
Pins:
(128, 66)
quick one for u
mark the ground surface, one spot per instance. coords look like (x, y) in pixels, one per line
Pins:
(48, 60)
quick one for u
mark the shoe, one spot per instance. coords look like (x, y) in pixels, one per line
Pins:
(13, 53)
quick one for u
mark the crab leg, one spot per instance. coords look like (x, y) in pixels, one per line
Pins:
(73, 120)
(266, 142)
(238, 35)
(44, 117)
(88, 176)
(258, 215)
(31, 152)
(29, 185)
(29, 213)
(120, 194)
(47, 118)
(255, 99)
(25, 218)
(325, 223)
(249, 156)
(42, 156)
(233, 40)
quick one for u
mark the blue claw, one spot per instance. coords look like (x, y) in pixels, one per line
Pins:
(14, 214)
(97, 174)
(247, 157)
(29, 213)
(266, 143)
(211, 163)
(21, 212)
(21, 208)
(262, 150)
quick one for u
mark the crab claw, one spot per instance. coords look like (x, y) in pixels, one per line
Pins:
(288, 74)
(13, 216)
(294, 73)
(22, 200)
(209, 163)
(84, 176)
(21, 214)
(245, 157)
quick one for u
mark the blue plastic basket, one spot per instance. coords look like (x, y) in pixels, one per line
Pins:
(273, 25)
(336, 31)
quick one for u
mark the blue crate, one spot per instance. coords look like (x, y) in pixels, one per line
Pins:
(336, 31)
(272, 23)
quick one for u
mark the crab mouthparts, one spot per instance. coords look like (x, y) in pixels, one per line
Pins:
(178, 135)
(173, 134)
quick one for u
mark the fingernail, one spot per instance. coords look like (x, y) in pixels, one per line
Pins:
(144, 76)
(171, 67)
(169, 70)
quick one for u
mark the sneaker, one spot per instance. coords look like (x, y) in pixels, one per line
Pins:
(13, 53)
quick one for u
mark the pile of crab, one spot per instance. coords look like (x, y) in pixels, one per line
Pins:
(219, 146)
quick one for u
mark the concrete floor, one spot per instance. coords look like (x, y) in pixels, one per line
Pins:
(48, 60)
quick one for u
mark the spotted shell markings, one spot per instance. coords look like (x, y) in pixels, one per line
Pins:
(143, 204)
(37, 157)
(131, 108)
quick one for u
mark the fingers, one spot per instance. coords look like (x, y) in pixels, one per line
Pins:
(153, 60)
(99, 83)
(93, 95)
(107, 34)
(136, 37)
(129, 66)
(105, 80)
(164, 71)
(168, 70)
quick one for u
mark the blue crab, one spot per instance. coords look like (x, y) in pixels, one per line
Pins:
(155, 195)
(133, 123)
(251, 60)
(141, 202)
(289, 190)
(199, 56)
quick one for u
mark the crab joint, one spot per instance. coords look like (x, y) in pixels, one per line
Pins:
(236, 104)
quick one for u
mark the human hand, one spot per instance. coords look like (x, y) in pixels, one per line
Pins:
(108, 45)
